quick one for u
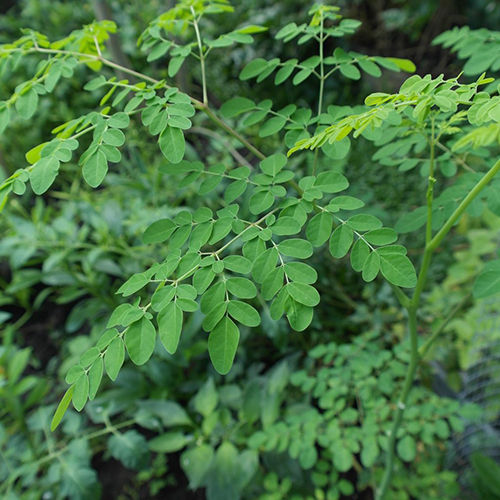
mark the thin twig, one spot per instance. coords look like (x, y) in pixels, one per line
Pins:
(211, 133)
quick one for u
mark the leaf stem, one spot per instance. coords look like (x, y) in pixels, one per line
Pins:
(415, 353)
(321, 69)
(430, 187)
(473, 193)
(424, 348)
(401, 296)
(202, 56)
(455, 157)
(401, 405)
(321, 87)
(224, 126)
(214, 135)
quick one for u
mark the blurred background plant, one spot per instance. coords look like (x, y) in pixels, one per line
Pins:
(293, 404)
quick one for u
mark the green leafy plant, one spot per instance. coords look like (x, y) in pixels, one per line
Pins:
(346, 416)
(239, 250)
(477, 46)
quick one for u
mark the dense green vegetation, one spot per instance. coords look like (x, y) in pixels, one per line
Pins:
(246, 256)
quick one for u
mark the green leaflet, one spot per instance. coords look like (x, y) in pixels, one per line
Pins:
(279, 304)
(4, 118)
(222, 344)
(286, 226)
(308, 457)
(119, 120)
(412, 221)
(170, 326)
(382, 236)
(253, 69)
(296, 247)
(273, 282)
(206, 399)
(162, 297)
(273, 164)
(214, 295)
(95, 169)
(95, 376)
(221, 228)
(364, 222)
(236, 106)
(140, 339)
(202, 279)
(488, 281)
(130, 448)
(159, 231)
(214, 315)
(341, 241)
(369, 452)
(243, 313)
(253, 248)
(114, 357)
(404, 64)
(43, 174)
(264, 264)
(242, 288)
(370, 67)
(407, 448)
(337, 150)
(238, 264)
(196, 462)
(34, 154)
(202, 214)
(235, 190)
(397, 269)
(169, 442)
(61, 408)
(133, 284)
(284, 73)
(301, 76)
(183, 218)
(350, 71)
(342, 459)
(89, 356)
(371, 267)
(27, 103)
(319, 228)
(217, 267)
(299, 315)
(303, 293)
(331, 182)
(301, 272)
(187, 266)
(261, 201)
(272, 126)
(17, 364)
(174, 65)
(172, 144)
(113, 137)
(81, 392)
(186, 291)
(124, 315)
